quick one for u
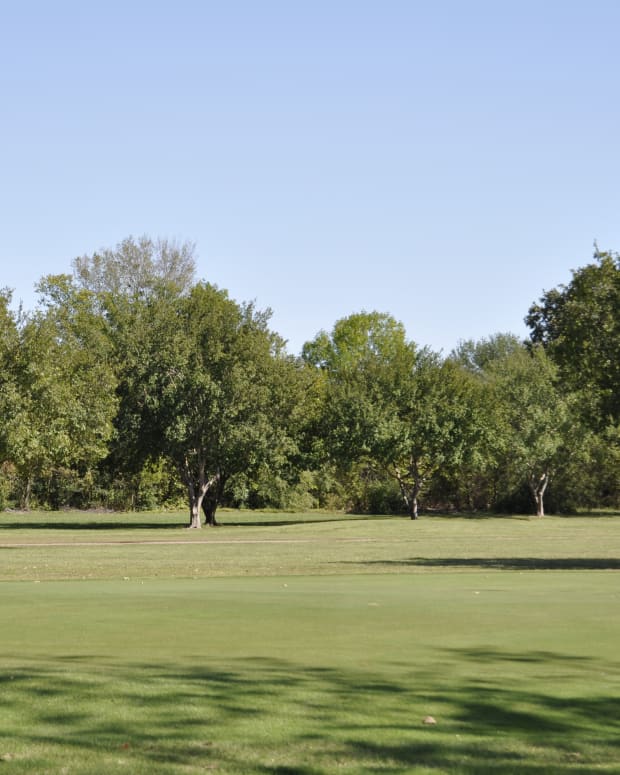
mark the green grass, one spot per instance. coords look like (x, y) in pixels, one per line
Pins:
(46, 546)
(309, 645)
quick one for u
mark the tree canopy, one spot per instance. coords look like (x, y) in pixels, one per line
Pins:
(137, 267)
(398, 408)
(132, 383)
(579, 325)
(209, 387)
(58, 396)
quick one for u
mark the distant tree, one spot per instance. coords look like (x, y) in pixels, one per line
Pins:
(468, 479)
(207, 385)
(62, 401)
(476, 356)
(398, 409)
(135, 267)
(441, 427)
(366, 362)
(9, 347)
(535, 428)
(579, 326)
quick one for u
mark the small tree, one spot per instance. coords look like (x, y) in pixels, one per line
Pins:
(400, 410)
(534, 418)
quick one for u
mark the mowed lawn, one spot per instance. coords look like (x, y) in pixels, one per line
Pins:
(309, 644)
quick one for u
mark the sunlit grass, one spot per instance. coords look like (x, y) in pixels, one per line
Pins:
(72, 545)
(311, 647)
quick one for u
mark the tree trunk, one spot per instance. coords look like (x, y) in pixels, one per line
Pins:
(197, 489)
(213, 498)
(203, 494)
(418, 481)
(26, 493)
(195, 502)
(410, 492)
(538, 487)
(194, 515)
(209, 507)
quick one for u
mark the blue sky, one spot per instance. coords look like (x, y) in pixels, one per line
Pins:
(441, 161)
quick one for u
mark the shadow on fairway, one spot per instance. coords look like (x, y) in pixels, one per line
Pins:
(276, 716)
(85, 521)
(486, 655)
(298, 519)
(593, 514)
(120, 525)
(503, 563)
(276, 522)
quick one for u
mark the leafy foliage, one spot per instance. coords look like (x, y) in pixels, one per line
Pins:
(579, 326)
(137, 267)
(209, 388)
(399, 410)
(132, 383)
(58, 391)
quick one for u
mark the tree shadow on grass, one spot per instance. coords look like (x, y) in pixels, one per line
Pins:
(312, 519)
(276, 716)
(596, 514)
(278, 522)
(85, 521)
(488, 654)
(90, 525)
(502, 563)
(602, 514)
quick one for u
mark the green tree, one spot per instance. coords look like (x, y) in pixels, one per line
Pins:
(366, 362)
(579, 326)
(201, 378)
(468, 477)
(62, 387)
(208, 386)
(476, 356)
(438, 426)
(9, 348)
(398, 409)
(535, 429)
(123, 280)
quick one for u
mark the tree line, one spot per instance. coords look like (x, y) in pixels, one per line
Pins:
(133, 385)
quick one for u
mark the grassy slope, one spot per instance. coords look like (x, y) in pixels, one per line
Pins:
(329, 665)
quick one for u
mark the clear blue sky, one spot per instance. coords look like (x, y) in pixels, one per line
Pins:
(444, 161)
